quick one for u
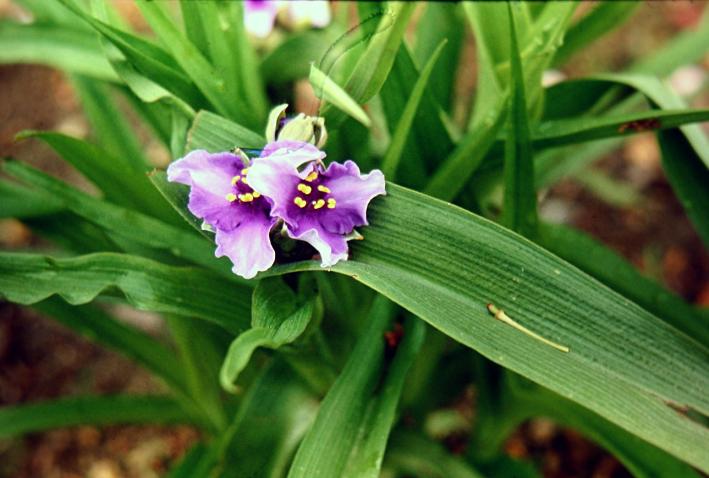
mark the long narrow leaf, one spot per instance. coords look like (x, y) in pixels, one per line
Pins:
(147, 285)
(519, 212)
(214, 133)
(276, 320)
(327, 445)
(445, 265)
(326, 88)
(391, 159)
(144, 230)
(59, 47)
(109, 410)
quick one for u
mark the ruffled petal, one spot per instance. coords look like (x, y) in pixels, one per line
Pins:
(248, 246)
(353, 192)
(276, 179)
(209, 177)
(332, 247)
(295, 153)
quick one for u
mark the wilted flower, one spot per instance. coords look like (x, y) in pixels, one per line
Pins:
(319, 205)
(221, 195)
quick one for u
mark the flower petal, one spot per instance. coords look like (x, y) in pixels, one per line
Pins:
(248, 246)
(353, 192)
(209, 177)
(331, 246)
(295, 152)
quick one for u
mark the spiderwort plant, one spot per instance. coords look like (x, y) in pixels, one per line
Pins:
(320, 205)
(324, 375)
(287, 184)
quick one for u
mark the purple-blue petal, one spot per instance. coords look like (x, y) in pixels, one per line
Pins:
(209, 177)
(332, 247)
(353, 192)
(248, 246)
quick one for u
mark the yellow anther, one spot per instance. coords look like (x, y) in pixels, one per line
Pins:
(243, 180)
(304, 188)
(300, 202)
(245, 171)
(324, 189)
(318, 204)
(248, 197)
(312, 177)
(231, 197)
(331, 203)
(235, 180)
(256, 195)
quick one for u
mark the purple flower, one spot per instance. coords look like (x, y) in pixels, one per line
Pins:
(221, 195)
(318, 205)
(259, 16)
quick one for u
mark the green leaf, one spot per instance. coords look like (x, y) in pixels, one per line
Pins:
(418, 456)
(74, 51)
(119, 178)
(274, 415)
(98, 326)
(277, 319)
(147, 285)
(456, 170)
(108, 125)
(519, 212)
(374, 65)
(328, 90)
(367, 456)
(440, 21)
(688, 176)
(391, 159)
(152, 61)
(445, 265)
(194, 26)
(222, 94)
(539, 41)
(325, 450)
(108, 410)
(234, 58)
(214, 133)
(490, 28)
(429, 140)
(144, 230)
(199, 356)
(599, 21)
(685, 158)
(178, 196)
(19, 201)
(576, 130)
(291, 60)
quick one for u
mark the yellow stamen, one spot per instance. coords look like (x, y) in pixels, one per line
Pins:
(243, 180)
(304, 188)
(256, 195)
(324, 189)
(331, 203)
(300, 202)
(245, 171)
(312, 177)
(231, 197)
(318, 204)
(235, 180)
(248, 197)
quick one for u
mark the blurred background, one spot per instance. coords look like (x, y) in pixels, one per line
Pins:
(622, 200)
